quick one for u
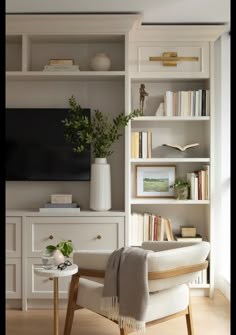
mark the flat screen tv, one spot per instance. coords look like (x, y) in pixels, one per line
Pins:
(36, 148)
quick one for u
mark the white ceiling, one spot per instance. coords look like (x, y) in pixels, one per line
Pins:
(153, 11)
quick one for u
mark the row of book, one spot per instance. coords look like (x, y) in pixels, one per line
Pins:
(152, 227)
(187, 103)
(61, 203)
(149, 227)
(141, 144)
(199, 182)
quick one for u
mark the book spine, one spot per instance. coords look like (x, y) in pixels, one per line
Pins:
(58, 205)
(144, 144)
(60, 210)
(61, 61)
(149, 144)
(140, 154)
(135, 144)
(203, 102)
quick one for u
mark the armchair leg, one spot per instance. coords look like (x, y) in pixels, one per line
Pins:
(71, 306)
(189, 320)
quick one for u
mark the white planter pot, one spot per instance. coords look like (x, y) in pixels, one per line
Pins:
(100, 62)
(58, 257)
(100, 185)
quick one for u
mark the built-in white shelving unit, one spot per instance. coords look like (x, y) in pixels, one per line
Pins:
(33, 39)
(188, 75)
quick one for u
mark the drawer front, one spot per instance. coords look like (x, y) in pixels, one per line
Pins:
(13, 236)
(194, 59)
(42, 287)
(88, 233)
(13, 278)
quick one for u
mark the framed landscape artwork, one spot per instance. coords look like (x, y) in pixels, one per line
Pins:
(155, 181)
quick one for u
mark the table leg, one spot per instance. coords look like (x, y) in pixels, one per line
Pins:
(55, 284)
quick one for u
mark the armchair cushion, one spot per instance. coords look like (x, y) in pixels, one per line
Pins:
(161, 304)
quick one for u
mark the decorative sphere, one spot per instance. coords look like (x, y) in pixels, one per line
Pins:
(100, 62)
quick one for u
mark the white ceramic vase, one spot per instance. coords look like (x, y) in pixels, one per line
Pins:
(101, 62)
(58, 257)
(100, 185)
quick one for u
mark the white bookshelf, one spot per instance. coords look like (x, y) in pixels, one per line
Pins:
(182, 130)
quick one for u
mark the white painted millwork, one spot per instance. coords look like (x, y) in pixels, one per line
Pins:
(13, 257)
(34, 39)
(187, 75)
(88, 230)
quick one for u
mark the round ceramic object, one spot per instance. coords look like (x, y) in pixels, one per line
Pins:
(100, 62)
(58, 257)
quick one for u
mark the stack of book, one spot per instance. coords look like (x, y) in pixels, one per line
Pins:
(188, 234)
(61, 203)
(61, 65)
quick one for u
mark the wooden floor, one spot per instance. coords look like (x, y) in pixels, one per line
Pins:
(210, 316)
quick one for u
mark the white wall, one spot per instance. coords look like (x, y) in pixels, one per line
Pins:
(223, 176)
(153, 10)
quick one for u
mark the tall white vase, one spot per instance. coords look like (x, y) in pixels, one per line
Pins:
(100, 185)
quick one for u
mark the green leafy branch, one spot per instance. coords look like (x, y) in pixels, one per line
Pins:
(100, 132)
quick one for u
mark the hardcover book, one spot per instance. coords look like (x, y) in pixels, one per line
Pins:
(60, 210)
(197, 238)
(61, 205)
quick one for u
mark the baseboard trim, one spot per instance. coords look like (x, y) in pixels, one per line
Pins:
(224, 286)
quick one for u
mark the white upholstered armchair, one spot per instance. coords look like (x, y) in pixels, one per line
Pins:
(171, 266)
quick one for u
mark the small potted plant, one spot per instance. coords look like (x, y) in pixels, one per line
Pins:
(181, 188)
(60, 251)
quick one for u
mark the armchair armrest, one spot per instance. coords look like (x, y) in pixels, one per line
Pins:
(91, 259)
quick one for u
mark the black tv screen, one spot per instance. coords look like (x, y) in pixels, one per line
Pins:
(36, 148)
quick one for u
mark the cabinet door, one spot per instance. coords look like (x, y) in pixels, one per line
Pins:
(13, 236)
(89, 233)
(13, 278)
(42, 287)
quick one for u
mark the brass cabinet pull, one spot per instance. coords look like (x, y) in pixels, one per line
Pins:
(99, 237)
(51, 237)
(171, 58)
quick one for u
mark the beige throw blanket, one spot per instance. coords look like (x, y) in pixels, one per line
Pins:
(125, 293)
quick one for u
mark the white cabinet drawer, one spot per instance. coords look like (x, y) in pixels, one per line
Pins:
(13, 236)
(88, 233)
(13, 278)
(141, 52)
(42, 287)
